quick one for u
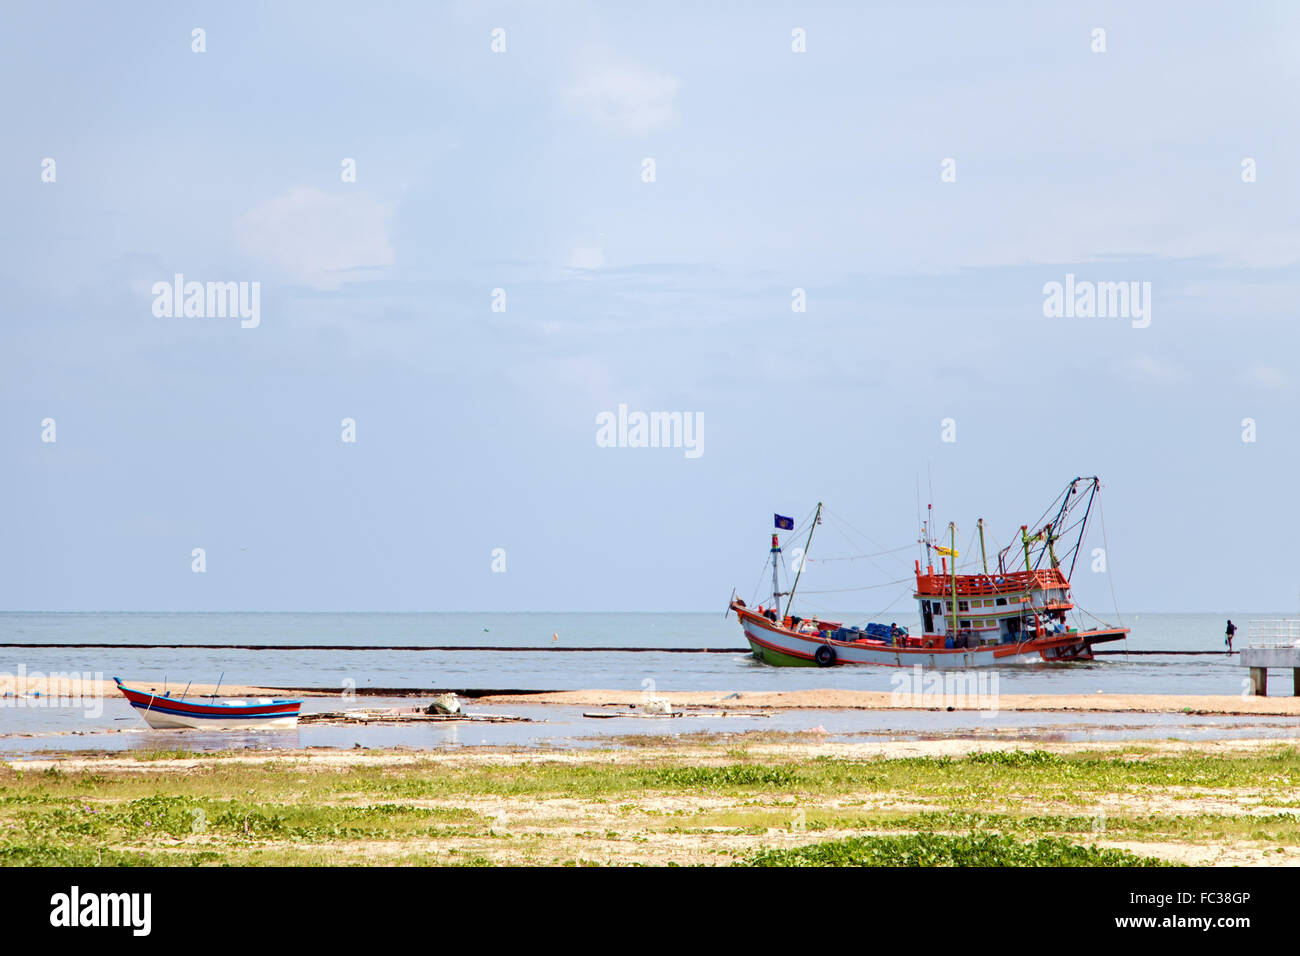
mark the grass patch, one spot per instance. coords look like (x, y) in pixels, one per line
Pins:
(932, 849)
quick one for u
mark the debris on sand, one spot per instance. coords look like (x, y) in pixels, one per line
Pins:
(444, 704)
(403, 715)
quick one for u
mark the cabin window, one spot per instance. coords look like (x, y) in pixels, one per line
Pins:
(965, 623)
(948, 604)
(963, 606)
(1001, 602)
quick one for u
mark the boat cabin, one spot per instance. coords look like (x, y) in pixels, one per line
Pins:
(1002, 608)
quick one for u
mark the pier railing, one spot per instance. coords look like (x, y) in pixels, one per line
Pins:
(1275, 633)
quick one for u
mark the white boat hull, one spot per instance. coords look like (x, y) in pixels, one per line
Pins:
(778, 645)
(161, 721)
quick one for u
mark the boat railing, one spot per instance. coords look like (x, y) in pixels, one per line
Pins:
(1283, 632)
(989, 585)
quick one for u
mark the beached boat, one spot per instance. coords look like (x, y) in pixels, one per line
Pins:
(164, 712)
(991, 618)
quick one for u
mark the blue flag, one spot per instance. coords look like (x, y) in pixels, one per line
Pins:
(784, 523)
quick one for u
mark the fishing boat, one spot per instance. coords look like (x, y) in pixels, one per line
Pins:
(997, 617)
(164, 712)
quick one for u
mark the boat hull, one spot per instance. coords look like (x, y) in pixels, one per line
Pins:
(782, 647)
(168, 713)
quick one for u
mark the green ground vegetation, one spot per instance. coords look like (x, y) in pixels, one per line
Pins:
(686, 804)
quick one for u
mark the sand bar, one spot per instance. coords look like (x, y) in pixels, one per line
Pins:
(824, 699)
(1232, 704)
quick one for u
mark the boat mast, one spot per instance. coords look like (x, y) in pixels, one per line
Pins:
(952, 531)
(817, 519)
(983, 556)
(1083, 528)
(1024, 540)
(929, 519)
(776, 566)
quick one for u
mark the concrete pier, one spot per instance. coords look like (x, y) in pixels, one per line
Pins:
(1277, 645)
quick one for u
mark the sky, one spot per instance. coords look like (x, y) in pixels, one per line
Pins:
(502, 268)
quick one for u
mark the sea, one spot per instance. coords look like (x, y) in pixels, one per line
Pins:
(545, 651)
(538, 653)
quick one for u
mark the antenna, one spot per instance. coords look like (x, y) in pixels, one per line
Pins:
(919, 523)
(929, 514)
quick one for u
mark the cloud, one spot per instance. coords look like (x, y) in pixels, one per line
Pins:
(625, 98)
(1146, 370)
(587, 257)
(319, 239)
(1263, 376)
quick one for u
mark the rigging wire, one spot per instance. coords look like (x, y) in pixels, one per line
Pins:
(839, 521)
(1110, 578)
(869, 587)
(881, 548)
(890, 605)
(859, 557)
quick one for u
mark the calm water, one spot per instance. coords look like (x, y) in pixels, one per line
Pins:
(544, 669)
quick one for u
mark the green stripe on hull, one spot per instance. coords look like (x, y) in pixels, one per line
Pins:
(778, 659)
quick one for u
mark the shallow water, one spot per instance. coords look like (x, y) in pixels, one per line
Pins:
(119, 728)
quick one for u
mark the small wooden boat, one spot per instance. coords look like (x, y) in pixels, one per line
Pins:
(164, 712)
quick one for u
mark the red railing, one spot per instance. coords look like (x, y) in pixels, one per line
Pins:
(939, 585)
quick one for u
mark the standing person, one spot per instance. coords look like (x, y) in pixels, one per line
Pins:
(1231, 630)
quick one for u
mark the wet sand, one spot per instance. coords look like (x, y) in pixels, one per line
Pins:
(825, 699)
(884, 700)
